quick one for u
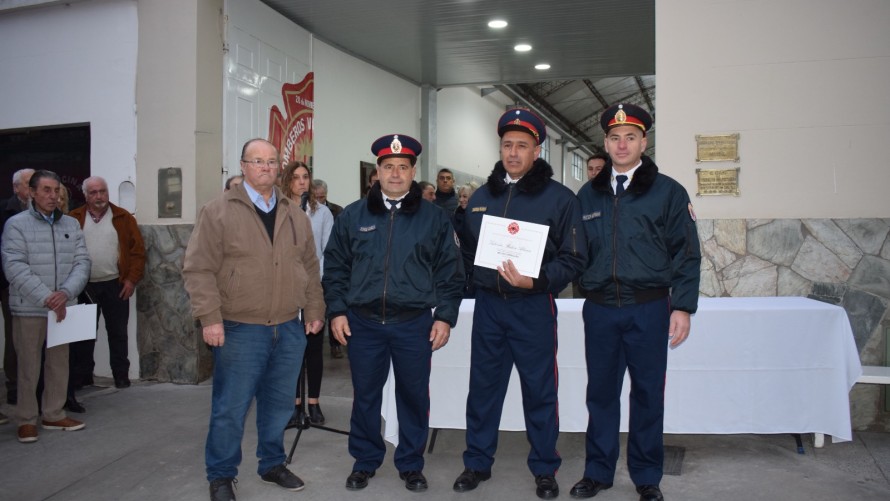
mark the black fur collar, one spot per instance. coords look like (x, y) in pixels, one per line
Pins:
(532, 182)
(642, 181)
(410, 204)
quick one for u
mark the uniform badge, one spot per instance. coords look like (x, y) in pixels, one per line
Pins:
(621, 116)
(592, 215)
(479, 209)
(366, 229)
(691, 212)
(395, 145)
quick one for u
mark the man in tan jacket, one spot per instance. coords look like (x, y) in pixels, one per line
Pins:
(250, 268)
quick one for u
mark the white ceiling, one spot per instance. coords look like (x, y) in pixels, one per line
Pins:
(600, 51)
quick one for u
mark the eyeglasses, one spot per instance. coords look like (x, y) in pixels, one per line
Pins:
(259, 164)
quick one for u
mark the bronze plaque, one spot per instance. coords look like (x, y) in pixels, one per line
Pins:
(720, 148)
(718, 181)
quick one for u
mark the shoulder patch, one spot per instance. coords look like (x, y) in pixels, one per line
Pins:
(480, 209)
(366, 229)
(456, 240)
(691, 212)
(592, 215)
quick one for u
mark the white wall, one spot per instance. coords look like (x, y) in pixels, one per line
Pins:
(77, 64)
(468, 139)
(355, 103)
(804, 83)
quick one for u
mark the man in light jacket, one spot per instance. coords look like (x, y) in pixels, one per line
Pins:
(47, 264)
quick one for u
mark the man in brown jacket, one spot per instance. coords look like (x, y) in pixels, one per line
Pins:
(117, 253)
(250, 267)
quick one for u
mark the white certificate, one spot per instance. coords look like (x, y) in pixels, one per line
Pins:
(79, 325)
(522, 242)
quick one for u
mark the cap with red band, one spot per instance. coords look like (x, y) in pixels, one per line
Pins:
(522, 120)
(626, 114)
(396, 145)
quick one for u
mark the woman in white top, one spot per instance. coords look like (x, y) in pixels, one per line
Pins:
(296, 184)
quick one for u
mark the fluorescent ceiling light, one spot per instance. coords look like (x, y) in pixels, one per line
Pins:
(523, 47)
(542, 66)
(497, 23)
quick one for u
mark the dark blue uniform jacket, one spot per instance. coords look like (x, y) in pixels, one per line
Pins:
(389, 263)
(535, 198)
(645, 239)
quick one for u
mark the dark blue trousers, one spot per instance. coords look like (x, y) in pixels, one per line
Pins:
(518, 330)
(634, 337)
(371, 348)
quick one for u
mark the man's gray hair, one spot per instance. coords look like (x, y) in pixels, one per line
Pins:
(83, 186)
(17, 176)
(319, 183)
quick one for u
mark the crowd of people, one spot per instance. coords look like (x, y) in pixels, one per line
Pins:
(52, 261)
(272, 265)
(393, 268)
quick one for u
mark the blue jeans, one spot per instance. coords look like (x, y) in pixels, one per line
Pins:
(255, 361)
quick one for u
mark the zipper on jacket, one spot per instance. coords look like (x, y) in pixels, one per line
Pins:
(52, 231)
(392, 221)
(615, 249)
(506, 205)
(574, 242)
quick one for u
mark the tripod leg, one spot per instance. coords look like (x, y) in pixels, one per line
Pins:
(293, 446)
(800, 449)
(433, 440)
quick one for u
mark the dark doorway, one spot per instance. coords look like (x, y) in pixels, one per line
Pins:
(364, 173)
(63, 149)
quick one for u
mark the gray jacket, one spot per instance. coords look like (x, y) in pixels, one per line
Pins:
(39, 258)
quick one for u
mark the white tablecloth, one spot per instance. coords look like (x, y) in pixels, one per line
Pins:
(750, 365)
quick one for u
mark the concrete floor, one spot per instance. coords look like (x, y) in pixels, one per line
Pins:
(147, 442)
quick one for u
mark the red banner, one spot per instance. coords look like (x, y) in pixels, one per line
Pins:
(292, 132)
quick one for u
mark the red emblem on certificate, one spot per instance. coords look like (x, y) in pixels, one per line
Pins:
(513, 228)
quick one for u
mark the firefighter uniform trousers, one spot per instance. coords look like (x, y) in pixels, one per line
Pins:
(518, 329)
(372, 346)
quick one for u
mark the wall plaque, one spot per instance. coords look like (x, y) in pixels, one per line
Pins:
(719, 148)
(718, 181)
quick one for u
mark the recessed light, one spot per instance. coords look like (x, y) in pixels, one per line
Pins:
(497, 23)
(542, 66)
(523, 47)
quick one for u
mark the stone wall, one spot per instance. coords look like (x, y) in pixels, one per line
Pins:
(840, 261)
(171, 348)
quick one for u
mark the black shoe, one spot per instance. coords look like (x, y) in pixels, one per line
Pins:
(547, 486)
(315, 415)
(282, 477)
(650, 493)
(414, 480)
(222, 489)
(358, 480)
(121, 382)
(469, 479)
(336, 351)
(587, 488)
(74, 406)
(298, 419)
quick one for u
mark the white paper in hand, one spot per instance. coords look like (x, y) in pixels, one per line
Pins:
(79, 325)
